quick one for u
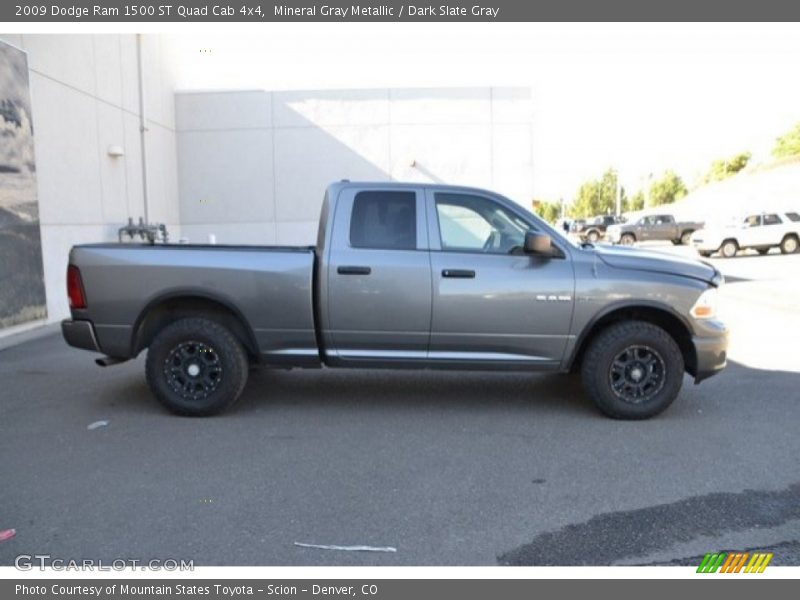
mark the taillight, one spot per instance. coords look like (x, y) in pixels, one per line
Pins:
(77, 299)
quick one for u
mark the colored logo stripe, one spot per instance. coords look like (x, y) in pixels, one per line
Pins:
(758, 563)
(711, 562)
(734, 562)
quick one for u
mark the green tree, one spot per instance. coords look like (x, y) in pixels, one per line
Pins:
(725, 167)
(596, 197)
(788, 144)
(634, 203)
(549, 211)
(667, 189)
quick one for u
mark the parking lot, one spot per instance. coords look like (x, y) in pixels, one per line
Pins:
(447, 468)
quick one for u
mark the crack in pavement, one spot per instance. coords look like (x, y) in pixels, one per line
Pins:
(610, 537)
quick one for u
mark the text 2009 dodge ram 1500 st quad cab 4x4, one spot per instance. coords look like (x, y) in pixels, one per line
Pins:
(403, 276)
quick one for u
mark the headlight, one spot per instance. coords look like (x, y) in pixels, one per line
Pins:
(706, 305)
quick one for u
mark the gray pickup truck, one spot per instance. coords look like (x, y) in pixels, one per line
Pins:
(653, 228)
(402, 276)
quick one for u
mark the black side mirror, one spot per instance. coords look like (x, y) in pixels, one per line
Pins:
(538, 243)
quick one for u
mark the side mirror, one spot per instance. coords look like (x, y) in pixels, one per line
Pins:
(538, 243)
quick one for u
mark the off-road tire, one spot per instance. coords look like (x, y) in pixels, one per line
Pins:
(596, 369)
(212, 342)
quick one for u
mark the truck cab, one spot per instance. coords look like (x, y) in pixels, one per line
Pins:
(438, 275)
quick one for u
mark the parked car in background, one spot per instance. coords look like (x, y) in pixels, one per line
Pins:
(760, 232)
(653, 228)
(594, 229)
(576, 225)
(402, 276)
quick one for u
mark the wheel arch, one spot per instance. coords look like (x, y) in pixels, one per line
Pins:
(657, 314)
(174, 305)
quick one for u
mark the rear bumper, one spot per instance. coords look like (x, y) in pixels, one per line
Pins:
(711, 350)
(80, 334)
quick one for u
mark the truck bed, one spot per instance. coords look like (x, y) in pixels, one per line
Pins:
(269, 286)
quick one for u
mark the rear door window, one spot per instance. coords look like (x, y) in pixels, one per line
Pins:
(384, 220)
(772, 220)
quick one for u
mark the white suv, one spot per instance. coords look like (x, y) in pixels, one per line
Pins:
(760, 231)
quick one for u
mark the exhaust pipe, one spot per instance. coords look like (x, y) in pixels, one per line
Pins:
(109, 361)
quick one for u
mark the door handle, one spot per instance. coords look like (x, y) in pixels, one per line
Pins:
(351, 270)
(458, 273)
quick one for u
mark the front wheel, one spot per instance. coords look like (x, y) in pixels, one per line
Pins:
(789, 245)
(632, 370)
(592, 236)
(196, 367)
(729, 248)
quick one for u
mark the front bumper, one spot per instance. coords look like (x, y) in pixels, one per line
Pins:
(711, 349)
(702, 245)
(80, 334)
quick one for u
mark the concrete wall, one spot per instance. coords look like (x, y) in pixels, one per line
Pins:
(253, 165)
(85, 97)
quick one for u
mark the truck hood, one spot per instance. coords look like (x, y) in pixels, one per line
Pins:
(622, 257)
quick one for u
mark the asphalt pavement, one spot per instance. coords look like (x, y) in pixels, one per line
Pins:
(461, 468)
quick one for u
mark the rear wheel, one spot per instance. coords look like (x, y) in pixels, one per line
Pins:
(633, 370)
(686, 237)
(593, 236)
(196, 367)
(729, 248)
(627, 239)
(789, 245)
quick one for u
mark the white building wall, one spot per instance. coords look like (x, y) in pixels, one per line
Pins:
(85, 97)
(253, 165)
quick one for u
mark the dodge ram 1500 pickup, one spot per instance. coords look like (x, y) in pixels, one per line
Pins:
(402, 276)
(653, 228)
